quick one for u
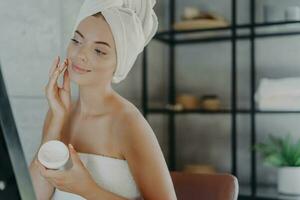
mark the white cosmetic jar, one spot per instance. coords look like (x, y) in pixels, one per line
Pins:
(53, 154)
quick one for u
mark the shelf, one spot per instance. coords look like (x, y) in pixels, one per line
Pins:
(221, 111)
(242, 26)
(251, 33)
(264, 192)
(186, 111)
(278, 112)
(224, 33)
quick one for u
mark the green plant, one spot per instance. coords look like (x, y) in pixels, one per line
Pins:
(280, 151)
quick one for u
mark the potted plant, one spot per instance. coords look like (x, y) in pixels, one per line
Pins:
(283, 153)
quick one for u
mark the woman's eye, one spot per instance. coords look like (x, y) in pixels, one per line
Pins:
(99, 51)
(75, 41)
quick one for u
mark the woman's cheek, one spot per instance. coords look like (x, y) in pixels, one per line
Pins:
(69, 51)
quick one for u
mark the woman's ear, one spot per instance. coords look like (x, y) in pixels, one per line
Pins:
(114, 71)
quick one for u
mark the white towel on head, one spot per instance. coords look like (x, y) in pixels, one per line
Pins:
(133, 24)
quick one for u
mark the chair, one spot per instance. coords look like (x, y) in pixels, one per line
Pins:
(192, 186)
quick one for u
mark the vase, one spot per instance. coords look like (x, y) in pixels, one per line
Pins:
(289, 180)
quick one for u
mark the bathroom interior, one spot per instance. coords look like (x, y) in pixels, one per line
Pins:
(219, 85)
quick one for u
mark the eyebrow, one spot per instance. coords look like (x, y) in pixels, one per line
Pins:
(97, 42)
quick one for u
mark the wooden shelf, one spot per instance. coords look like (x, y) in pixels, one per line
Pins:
(224, 33)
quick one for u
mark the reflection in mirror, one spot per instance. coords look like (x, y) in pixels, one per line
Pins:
(15, 182)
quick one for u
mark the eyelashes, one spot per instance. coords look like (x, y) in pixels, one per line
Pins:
(98, 51)
(75, 41)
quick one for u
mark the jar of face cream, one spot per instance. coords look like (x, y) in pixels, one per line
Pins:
(53, 154)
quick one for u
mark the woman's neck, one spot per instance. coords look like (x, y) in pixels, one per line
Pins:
(94, 101)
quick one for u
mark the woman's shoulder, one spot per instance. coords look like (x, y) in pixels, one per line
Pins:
(127, 111)
(131, 121)
(128, 115)
(132, 128)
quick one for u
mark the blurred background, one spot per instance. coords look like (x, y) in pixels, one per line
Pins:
(214, 70)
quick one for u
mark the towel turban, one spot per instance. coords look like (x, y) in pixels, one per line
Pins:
(133, 24)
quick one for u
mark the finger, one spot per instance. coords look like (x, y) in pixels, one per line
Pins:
(39, 164)
(54, 65)
(55, 75)
(41, 167)
(62, 66)
(62, 69)
(53, 174)
(74, 156)
(66, 83)
(53, 80)
(52, 74)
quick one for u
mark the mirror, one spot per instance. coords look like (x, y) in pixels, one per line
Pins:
(15, 181)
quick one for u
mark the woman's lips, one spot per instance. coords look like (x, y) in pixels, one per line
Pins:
(80, 70)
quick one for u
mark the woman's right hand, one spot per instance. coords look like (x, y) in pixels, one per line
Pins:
(59, 98)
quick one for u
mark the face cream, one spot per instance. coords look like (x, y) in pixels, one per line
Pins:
(53, 154)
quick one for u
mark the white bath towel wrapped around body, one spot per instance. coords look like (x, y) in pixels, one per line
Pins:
(133, 24)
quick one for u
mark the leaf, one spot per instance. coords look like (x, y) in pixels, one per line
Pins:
(275, 160)
(297, 162)
(280, 151)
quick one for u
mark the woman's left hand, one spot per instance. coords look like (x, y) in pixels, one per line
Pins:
(76, 180)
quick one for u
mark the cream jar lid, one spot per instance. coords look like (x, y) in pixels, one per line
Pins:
(53, 154)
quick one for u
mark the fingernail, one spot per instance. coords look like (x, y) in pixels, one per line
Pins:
(71, 146)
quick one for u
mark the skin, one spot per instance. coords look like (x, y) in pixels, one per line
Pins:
(122, 132)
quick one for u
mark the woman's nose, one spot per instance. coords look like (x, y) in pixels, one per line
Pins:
(82, 55)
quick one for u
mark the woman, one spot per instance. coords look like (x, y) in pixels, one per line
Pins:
(117, 155)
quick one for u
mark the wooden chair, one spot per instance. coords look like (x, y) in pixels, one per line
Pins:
(192, 186)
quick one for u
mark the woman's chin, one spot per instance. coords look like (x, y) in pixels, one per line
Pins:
(84, 81)
(78, 79)
(86, 78)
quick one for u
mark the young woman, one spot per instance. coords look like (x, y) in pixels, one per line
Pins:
(117, 155)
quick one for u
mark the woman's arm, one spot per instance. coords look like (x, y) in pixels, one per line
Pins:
(59, 100)
(43, 189)
(145, 158)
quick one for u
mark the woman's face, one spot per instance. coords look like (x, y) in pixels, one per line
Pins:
(92, 48)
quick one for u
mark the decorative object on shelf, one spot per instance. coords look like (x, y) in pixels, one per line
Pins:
(272, 13)
(176, 107)
(292, 13)
(199, 168)
(190, 12)
(283, 153)
(200, 24)
(278, 94)
(210, 102)
(194, 18)
(188, 101)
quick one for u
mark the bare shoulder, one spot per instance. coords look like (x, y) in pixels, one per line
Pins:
(129, 117)
(130, 125)
(139, 146)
